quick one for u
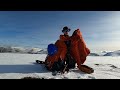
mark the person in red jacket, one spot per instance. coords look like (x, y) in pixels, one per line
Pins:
(59, 58)
(72, 50)
(67, 40)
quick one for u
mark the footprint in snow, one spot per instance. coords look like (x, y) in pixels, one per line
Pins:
(113, 66)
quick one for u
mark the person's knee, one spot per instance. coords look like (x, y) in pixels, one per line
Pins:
(71, 63)
(58, 66)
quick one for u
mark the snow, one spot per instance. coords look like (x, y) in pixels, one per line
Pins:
(36, 50)
(115, 53)
(108, 68)
(30, 50)
(106, 53)
(17, 66)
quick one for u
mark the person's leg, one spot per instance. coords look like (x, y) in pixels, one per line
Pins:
(58, 66)
(70, 61)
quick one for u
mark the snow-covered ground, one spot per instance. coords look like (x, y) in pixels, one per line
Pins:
(17, 66)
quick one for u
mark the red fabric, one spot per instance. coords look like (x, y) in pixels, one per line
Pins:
(62, 50)
(78, 50)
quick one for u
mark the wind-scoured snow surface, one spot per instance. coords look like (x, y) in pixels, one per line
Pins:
(17, 66)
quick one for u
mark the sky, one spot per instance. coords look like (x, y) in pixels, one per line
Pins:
(100, 29)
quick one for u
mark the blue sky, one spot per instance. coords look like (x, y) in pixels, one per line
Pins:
(100, 29)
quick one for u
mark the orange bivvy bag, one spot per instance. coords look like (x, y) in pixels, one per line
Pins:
(78, 49)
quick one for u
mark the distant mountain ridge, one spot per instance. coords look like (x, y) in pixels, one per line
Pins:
(4, 49)
(114, 53)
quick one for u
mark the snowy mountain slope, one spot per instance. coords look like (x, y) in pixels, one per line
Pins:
(115, 53)
(94, 54)
(6, 49)
(17, 66)
(106, 53)
(23, 50)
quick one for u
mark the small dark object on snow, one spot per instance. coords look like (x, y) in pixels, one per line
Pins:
(97, 64)
(40, 62)
(31, 78)
(54, 73)
(113, 66)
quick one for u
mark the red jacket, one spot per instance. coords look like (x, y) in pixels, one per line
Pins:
(62, 50)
